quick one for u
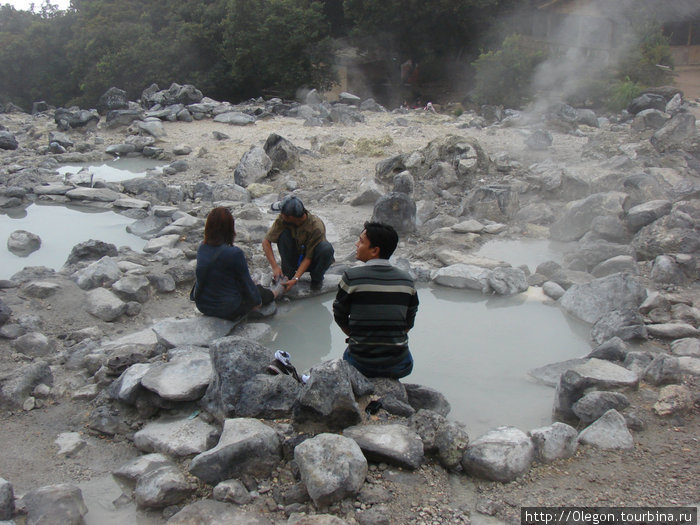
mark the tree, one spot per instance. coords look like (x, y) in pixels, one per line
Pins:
(276, 47)
(33, 57)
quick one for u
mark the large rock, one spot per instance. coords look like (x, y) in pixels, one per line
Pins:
(556, 441)
(672, 134)
(268, 397)
(394, 444)
(128, 474)
(23, 243)
(673, 233)
(162, 487)
(16, 385)
(246, 446)
(465, 276)
(133, 288)
(7, 500)
(112, 99)
(234, 360)
(103, 272)
(34, 344)
(593, 300)
(396, 209)
(91, 250)
(593, 374)
(508, 281)
(609, 432)
(184, 378)
(579, 215)
(424, 397)
(647, 101)
(8, 140)
(497, 203)
(502, 454)
(327, 401)
(104, 305)
(211, 512)
(594, 404)
(646, 213)
(235, 118)
(194, 331)
(283, 154)
(67, 119)
(673, 399)
(61, 503)
(253, 167)
(332, 467)
(625, 324)
(176, 436)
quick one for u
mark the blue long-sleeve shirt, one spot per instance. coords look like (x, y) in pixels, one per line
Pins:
(227, 288)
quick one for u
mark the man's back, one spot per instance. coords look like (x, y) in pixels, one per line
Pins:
(376, 305)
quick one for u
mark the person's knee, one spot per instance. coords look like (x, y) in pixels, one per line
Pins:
(325, 248)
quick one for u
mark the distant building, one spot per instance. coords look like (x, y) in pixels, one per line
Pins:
(598, 27)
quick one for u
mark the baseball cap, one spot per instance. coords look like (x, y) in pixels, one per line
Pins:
(290, 205)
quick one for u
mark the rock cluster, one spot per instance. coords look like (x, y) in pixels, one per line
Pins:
(192, 392)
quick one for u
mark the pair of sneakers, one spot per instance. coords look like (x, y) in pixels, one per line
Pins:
(282, 364)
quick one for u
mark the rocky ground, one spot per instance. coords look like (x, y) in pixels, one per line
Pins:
(662, 469)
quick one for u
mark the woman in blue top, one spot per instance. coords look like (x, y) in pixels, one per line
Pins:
(224, 287)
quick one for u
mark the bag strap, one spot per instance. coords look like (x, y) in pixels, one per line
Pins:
(200, 285)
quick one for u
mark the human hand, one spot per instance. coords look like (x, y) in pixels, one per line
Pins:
(276, 273)
(290, 284)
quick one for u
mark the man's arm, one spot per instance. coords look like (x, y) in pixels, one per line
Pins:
(341, 308)
(270, 254)
(412, 310)
(303, 266)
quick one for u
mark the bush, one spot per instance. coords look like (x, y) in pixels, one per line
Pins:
(622, 93)
(503, 76)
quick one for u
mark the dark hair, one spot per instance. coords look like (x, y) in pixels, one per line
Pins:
(220, 227)
(382, 236)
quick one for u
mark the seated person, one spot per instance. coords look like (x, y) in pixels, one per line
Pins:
(224, 287)
(376, 306)
(301, 241)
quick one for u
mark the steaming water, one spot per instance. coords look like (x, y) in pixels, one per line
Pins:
(475, 350)
(530, 252)
(60, 228)
(114, 170)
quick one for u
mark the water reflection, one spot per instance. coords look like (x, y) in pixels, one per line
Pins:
(303, 328)
(114, 170)
(60, 228)
(476, 350)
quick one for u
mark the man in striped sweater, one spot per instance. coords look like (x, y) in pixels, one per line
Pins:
(376, 306)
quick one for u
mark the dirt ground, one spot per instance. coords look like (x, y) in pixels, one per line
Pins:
(662, 469)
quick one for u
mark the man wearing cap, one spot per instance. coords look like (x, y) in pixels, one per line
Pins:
(301, 242)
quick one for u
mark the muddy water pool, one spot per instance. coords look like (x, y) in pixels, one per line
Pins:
(476, 350)
(114, 170)
(60, 228)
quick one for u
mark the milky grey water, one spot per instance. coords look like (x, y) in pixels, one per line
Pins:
(530, 252)
(60, 228)
(114, 170)
(476, 350)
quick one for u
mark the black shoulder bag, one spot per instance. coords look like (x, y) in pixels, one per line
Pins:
(197, 287)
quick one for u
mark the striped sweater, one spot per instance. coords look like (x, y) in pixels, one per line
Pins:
(376, 306)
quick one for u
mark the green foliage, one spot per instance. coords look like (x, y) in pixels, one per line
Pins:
(131, 44)
(229, 49)
(622, 93)
(647, 49)
(286, 49)
(503, 76)
(33, 57)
